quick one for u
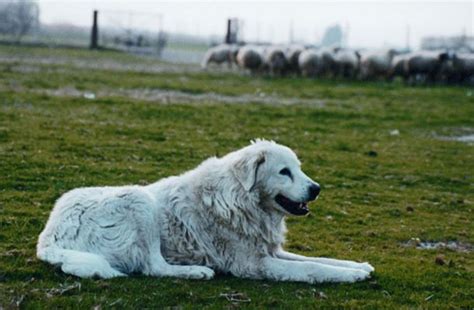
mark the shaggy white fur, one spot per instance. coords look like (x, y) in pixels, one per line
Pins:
(227, 215)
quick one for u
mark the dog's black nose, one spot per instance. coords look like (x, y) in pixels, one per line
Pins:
(313, 191)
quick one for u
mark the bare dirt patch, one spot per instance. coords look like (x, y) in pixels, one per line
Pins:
(163, 96)
(463, 134)
(464, 138)
(436, 245)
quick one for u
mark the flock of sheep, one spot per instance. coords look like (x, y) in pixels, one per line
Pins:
(414, 67)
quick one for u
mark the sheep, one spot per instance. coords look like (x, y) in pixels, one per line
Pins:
(219, 54)
(399, 66)
(292, 54)
(317, 63)
(250, 58)
(327, 63)
(308, 62)
(376, 64)
(419, 66)
(347, 63)
(426, 66)
(274, 60)
(461, 69)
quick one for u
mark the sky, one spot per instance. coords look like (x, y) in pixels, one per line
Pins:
(372, 24)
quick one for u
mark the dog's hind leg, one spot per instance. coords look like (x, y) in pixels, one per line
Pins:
(159, 267)
(81, 264)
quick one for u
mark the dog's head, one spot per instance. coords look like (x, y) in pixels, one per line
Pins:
(274, 171)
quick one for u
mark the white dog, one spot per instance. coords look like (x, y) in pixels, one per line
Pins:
(227, 215)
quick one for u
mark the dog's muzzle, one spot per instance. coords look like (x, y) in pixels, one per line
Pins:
(298, 208)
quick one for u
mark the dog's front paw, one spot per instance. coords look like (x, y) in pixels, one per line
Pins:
(200, 273)
(339, 275)
(366, 267)
(355, 275)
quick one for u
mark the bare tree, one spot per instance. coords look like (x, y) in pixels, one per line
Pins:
(18, 18)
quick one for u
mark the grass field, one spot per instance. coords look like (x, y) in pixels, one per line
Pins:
(380, 187)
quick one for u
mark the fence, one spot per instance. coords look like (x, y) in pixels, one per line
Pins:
(135, 32)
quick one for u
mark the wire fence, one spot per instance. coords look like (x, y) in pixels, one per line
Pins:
(129, 31)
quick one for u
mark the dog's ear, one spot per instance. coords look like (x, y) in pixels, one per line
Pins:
(245, 169)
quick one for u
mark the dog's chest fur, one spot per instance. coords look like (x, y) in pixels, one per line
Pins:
(203, 236)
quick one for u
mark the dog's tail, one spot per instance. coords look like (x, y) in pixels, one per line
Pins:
(81, 264)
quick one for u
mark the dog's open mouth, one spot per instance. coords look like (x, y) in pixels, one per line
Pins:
(292, 207)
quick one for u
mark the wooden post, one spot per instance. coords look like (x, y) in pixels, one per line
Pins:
(94, 33)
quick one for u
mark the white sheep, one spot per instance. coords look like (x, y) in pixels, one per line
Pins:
(249, 57)
(223, 53)
(308, 62)
(426, 66)
(347, 62)
(292, 53)
(274, 60)
(376, 64)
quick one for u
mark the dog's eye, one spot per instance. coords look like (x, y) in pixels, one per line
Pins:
(287, 172)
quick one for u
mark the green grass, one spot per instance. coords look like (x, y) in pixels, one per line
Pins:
(50, 144)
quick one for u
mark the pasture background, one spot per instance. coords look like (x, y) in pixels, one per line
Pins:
(149, 119)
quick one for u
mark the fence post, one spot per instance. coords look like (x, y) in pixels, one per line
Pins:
(94, 33)
(228, 34)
